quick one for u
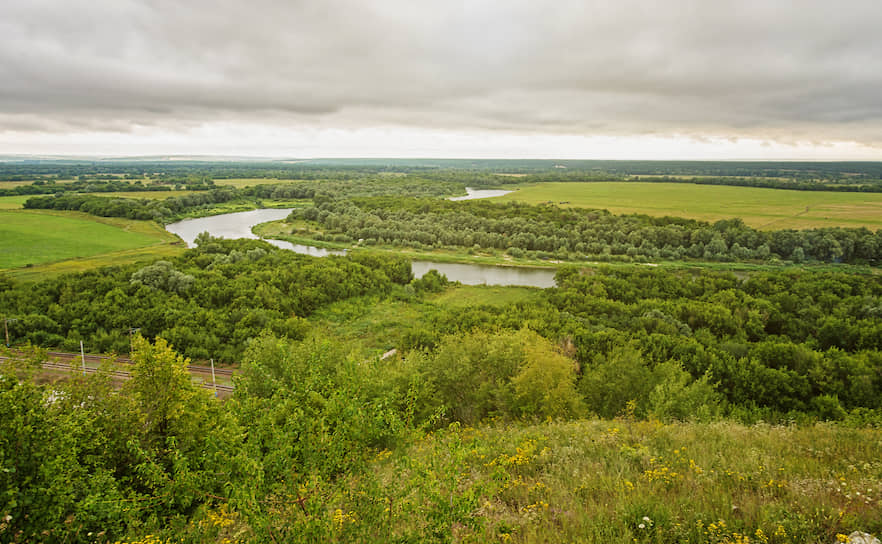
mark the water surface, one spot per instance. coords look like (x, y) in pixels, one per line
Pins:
(474, 194)
(239, 225)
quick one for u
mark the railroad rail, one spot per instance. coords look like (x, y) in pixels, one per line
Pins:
(127, 361)
(72, 367)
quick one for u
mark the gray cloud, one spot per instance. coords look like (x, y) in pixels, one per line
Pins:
(783, 70)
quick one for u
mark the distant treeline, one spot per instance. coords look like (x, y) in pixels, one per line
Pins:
(51, 187)
(794, 184)
(792, 175)
(579, 234)
(174, 207)
(158, 210)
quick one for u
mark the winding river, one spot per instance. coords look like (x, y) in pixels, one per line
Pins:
(238, 225)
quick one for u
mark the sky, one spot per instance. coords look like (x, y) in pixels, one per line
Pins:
(584, 79)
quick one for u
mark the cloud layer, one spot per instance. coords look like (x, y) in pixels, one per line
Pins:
(787, 71)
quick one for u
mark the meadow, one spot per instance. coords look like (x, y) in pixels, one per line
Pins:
(12, 202)
(247, 182)
(619, 481)
(375, 324)
(765, 209)
(32, 238)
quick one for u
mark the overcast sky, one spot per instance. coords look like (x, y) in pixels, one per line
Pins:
(480, 78)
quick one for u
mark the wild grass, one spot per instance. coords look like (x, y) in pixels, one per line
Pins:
(618, 481)
(760, 208)
(377, 323)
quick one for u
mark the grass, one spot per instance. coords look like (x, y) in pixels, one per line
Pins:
(766, 209)
(14, 184)
(13, 202)
(620, 481)
(377, 324)
(250, 182)
(36, 244)
(464, 296)
(149, 195)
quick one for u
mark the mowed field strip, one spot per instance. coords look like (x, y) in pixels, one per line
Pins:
(766, 209)
(33, 237)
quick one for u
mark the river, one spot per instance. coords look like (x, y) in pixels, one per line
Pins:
(239, 224)
(474, 194)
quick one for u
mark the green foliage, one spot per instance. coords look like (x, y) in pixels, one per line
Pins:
(547, 231)
(431, 282)
(162, 275)
(508, 374)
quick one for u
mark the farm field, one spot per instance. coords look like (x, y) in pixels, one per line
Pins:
(249, 182)
(150, 195)
(760, 208)
(14, 184)
(42, 237)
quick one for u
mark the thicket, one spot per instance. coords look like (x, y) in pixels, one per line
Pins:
(772, 345)
(208, 302)
(546, 231)
(316, 445)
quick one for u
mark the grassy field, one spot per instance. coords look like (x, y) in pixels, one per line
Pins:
(250, 182)
(13, 184)
(40, 243)
(378, 324)
(12, 202)
(150, 195)
(760, 208)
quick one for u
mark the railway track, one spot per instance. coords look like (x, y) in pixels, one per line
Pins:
(73, 366)
(127, 361)
(123, 374)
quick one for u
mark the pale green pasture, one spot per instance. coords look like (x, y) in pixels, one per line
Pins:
(760, 208)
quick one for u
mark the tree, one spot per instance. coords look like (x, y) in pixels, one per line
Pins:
(163, 276)
(161, 384)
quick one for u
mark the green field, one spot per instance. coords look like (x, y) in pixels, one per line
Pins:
(766, 209)
(378, 324)
(12, 202)
(30, 238)
(150, 195)
(249, 182)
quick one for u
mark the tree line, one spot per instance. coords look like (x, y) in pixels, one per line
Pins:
(549, 232)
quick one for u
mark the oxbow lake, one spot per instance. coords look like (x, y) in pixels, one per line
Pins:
(239, 225)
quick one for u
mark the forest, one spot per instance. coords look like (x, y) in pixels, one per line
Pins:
(629, 403)
(551, 232)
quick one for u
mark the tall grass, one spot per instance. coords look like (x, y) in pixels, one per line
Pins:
(611, 481)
